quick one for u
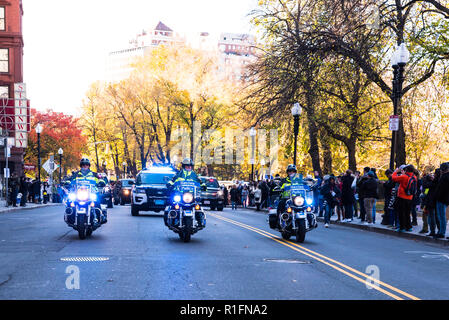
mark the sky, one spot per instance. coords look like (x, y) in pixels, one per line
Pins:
(67, 42)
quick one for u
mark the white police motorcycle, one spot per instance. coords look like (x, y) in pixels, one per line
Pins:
(298, 218)
(84, 212)
(184, 215)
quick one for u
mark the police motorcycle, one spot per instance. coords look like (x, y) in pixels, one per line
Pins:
(185, 215)
(298, 218)
(83, 212)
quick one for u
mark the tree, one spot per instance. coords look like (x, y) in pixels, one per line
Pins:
(59, 131)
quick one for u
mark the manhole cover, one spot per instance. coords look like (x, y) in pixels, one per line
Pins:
(287, 261)
(84, 259)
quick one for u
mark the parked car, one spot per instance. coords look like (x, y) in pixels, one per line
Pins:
(150, 192)
(213, 196)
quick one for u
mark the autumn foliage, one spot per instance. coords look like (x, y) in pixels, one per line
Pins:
(59, 131)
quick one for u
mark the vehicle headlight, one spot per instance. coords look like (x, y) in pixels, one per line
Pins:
(220, 193)
(309, 201)
(298, 201)
(72, 197)
(82, 195)
(126, 192)
(93, 197)
(177, 198)
(187, 197)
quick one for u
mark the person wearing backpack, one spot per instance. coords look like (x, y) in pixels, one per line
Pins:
(407, 188)
(442, 199)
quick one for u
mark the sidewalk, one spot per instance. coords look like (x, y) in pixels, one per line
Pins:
(377, 227)
(29, 206)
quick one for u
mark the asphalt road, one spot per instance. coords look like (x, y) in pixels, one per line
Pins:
(237, 256)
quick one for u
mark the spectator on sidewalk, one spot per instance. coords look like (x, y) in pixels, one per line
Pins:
(406, 178)
(330, 194)
(430, 184)
(24, 191)
(225, 196)
(347, 195)
(360, 182)
(442, 199)
(316, 191)
(416, 199)
(14, 189)
(369, 189)
(340, 210)
(244, 196)
(356, 196)
(388, 216)
(234, 197)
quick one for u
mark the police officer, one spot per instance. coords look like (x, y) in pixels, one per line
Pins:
(186, 174)
(85, 174)
(285, 188)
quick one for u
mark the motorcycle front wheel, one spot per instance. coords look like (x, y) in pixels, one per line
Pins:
(301, 232)
(82, 232)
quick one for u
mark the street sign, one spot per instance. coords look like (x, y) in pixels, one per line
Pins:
(394, 123)
(47, 167)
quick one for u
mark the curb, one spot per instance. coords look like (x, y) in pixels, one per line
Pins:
(28, 208)
(390, 232)
(404, 235)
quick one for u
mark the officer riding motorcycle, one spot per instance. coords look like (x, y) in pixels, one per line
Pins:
(294, 214)
(185, 200)
(83, 198)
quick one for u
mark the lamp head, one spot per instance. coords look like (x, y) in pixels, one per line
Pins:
(296, 110)
(39, 128)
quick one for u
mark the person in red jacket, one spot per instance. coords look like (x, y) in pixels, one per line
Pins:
(402, 175)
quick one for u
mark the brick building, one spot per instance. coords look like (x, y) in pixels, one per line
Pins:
(14, 113)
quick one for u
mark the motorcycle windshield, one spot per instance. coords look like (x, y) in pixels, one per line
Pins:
(187, 186)
(298, 190)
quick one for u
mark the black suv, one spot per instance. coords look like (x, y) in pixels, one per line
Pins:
(213, 196)
(150, 192)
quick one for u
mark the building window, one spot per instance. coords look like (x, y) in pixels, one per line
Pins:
(4, 60)
(2, 19)
(4, 91)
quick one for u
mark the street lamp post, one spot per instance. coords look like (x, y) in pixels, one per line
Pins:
(296, 112)
(252, 133)
(399, 60)
(60, 152)
(39, 131)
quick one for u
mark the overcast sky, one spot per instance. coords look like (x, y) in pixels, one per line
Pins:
(67, 42)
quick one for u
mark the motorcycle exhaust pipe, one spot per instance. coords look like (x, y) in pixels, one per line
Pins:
(285, 216)
(172, 214)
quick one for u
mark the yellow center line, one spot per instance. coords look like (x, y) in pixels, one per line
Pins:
(316, 255)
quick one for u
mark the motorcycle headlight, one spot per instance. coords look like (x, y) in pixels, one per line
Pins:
(298, 201)
(126, 192)
(309, 201)
(82, 195)
(187, 197)
(72, 197)
(177, 198)
(107, 189)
